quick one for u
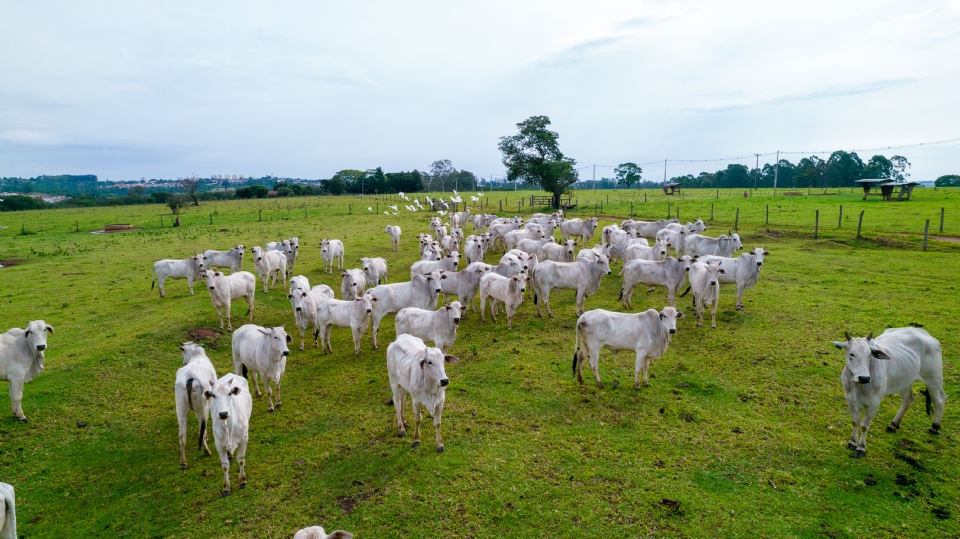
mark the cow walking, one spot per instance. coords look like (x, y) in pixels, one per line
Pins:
(195, 377)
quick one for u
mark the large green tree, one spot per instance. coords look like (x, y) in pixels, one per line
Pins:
(628, 174)
(533, 155)
(878, 167)
(949, 180)
(843, 168)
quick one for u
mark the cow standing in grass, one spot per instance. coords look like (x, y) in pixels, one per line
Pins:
(188, 268)
(21, 359)
(232, 259)
(193, 379)
(8, 512)
(742, 271)
(583, 276)
(262, 351)
(331, 250)
(231, 406)
(394, 232)
(705, 283)
(226, 288)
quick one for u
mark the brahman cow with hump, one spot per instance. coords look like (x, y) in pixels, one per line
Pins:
(669, 273)
(647, 229)
(8, 512)
(465, 283)
(231, 406)
(499, 230)
(316, 532)
(473, 249)
(193, 379)
(353, 285)
(188, 268)
(705, 283)
(891, 363)
(647, 334)
(269, 265)
(226, 288)
(232, 259)
(375, 269)
(583, 276)
(438, 327)
(506, 290)
(305, 305)
(353, 314)
(331, 250)
(420, 292)
(21, 359)
(697, 245)
(742, 271)
(394, 232)
(558, 252)
(512, 238)
(419, 370)
(262, 351)
(576, 227)
(426, 267)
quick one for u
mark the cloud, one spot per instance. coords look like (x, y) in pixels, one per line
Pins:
(577, 53)
(26, 136)
(825, 93)
(639, 22)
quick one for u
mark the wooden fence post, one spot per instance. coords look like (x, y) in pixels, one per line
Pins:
(941, 220)
(501, 205)
(260, 214)
(718, 194)
(161, 221)
(926, 232)
(518, 206)
(736, 222)
(668, 210)
(859, 222)
(840, 219)
(816, 224)
(768, 214)
(711, 211)
(631, 216)
(211, 218)
(644, 197)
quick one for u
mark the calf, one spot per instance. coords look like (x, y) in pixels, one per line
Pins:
(375, 270)
(226, 288)
(353, 285)
(420, 292)
(583, 276)
(188, 268)
(193, 379)
(464, 284)
(416, 369)
(230, 406)
(743, 270)
(891, 363)
(674, 237)
(21, 359)
(394, 232)
(438, 327)
(576, 227)
(353, 314)
(697, 245)
(705, 282)
(507, 290)
(8, 512)
(263, 351)
(269, 264)
(331, 250)
(669, 273)
(232, 259)
(316, 532)
(447, 263)
(558, 253)
(647, 334)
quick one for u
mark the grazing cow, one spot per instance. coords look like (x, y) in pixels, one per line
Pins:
(534, 246)
(375, 270)
(193, 379)
(230, 408)
(438, 327)
(638, 251)
(674, 237)
(188, 269)
(353, 314)
(21, 359)
(576, 227)
(353, 285)
(583, 276)
(425, 267)
(473, 249)
(419, 370)
(316, 532)
(743, 270)
(648, 229)
(420, 292)
(510, 239)
(558, 253)
(331, 250)
(891, 363)
(394, 232)
(669, 273)
(8, 512)
(269, 264)
(262, 351)
(697, 245)
(226, 288)
(465, 283)
(506, 290)
(647, 334)
(705, 283)
(232, 259)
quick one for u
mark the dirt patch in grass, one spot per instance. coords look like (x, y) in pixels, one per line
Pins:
(101, 231)
(202, 334)
(11, 262)
(948, 239)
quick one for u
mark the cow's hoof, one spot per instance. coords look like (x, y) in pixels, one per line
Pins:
(224, 494)
(279, 405)
(243, 485)
(893, 427)
(851, 446)
(859, 454)
(23, 420)
(183, 466)
(600, 385)
(402, 434)
(270, 410)
(440, 449)
(416, 444)
(935, 429)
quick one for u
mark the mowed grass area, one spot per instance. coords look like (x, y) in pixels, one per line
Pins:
(744, 425)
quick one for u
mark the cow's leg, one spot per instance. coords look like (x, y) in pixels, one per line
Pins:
(250, 306)
(398, 395)
(242, 461)
(581, 293)
(939, 398)
(16, 396)
(483, 307)
(545, 300)
(853, 408)
(865, 427)
(417, 420)
(279, 403)
(220, 314)
(373, 329)
(671, 296)
(256, 384)
(160, 286)
(436, 426)
(713, 313)
(329, 338)
(225, 464)
(740, 290)
(906, 399)
(190, 283)
(699, 312)
(627, 293)
(316, 335)
(229, 320)
(303, 334)
(357, 336)
(182, 411)
(642, 364)
(202, 416)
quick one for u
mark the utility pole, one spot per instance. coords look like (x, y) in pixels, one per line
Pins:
(664, 172)
(594, 177)
(776, 169)
(756, 171)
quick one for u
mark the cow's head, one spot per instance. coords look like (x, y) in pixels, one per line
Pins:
(220, 395)
(365, 302)
(207, 276)
(455, 256)
(188, 350)
(521, 279)
(433, 279)
(365, 263)
(758, 253)
(257, 253)
(668, 318)
(296, 299)
(604, 264)
(324, 246)
(713, 272)
(860, 350)
(278, 341)
(36, 336)
(432, 362)
(569, 246)
(686, 261)
(661, 247)
(735, 238)
(454, 311)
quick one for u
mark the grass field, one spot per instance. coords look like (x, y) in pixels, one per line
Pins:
(744, 425)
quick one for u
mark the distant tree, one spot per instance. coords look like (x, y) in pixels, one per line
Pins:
(190, 186)
(878, 167)
(137, 191)
(160, 197)
(284, 191)
(440, 171)
(176, 204)
(737, 176)
(900, 167)
(949, 180)
(627, 174)
(843, 168)
(809, 172)
(252, 191)
(20, 203)
(533, 155)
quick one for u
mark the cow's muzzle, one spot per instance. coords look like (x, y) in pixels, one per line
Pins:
(224, 415)
(863, 379)
(759, 264)
(41, 347)
(456, 320)
(286, 352)
(713, 283)
(298, 309)
(438, 291)
(673, 330)
(369, 310)
(211, 288)
(445, 382)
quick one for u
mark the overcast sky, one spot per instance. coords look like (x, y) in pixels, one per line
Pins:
(164, 89)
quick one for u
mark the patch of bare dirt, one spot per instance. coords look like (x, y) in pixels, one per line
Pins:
(116, 231)
(11, 262)
(202, 334)
(948, 239)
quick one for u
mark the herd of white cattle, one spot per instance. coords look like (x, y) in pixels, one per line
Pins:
(533, 263)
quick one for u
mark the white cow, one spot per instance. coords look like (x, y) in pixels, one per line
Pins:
(558, 253)
(299, 282)
(353, 285)
(473, 249)
(647, 334)
(195, 377)
(438, 327)
(697, 245)
(648, 229)
(499, 230)
(305, 309)
(232, 259)
(432, 252)
(891, 363)
(394, 232)
(331, 250)
(421, 292)
(594, 252)
(583, 276)
(465, 283)
(262, 351)
(231, 406)
(375, 270)
(638, 251)
(425, 267)
(506, 290)
(705, 283)
(514, 236)
(419, 370)
(534, 246)
(669, 273)
(353, 314)
(8, 512)
(269, 264)
(425, 240)
(188, 268)
(21, 359)
(742, 271)
(509, 266)
(226, 288)
(316, 532)
(674, 237)
(576, 227)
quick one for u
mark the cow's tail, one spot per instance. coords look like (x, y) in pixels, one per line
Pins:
(203, 420)
(687, 291)
(243, 370)
(576, 347)
(10, 504)
(621, 294)
(926, 395)
(152, 284)
(533, 281)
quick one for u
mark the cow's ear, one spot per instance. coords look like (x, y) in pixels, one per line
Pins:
(450, 359)
(443, 276)
(289, 339)
(723, 270)
(422, 361)
(766, 253)
(877, 353)
(208, 394)
(448, 307)
(840, 345)
(26, 333)
(217, 274)
(265, 332)
(340, 534)
(681, 315)
(235, 391)
(289, 296)
(661, 316)
(870, 336)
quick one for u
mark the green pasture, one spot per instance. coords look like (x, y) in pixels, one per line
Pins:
(744, 426)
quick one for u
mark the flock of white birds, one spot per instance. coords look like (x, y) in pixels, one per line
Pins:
(416, 206)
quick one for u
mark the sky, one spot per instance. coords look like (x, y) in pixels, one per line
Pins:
(167, 89)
